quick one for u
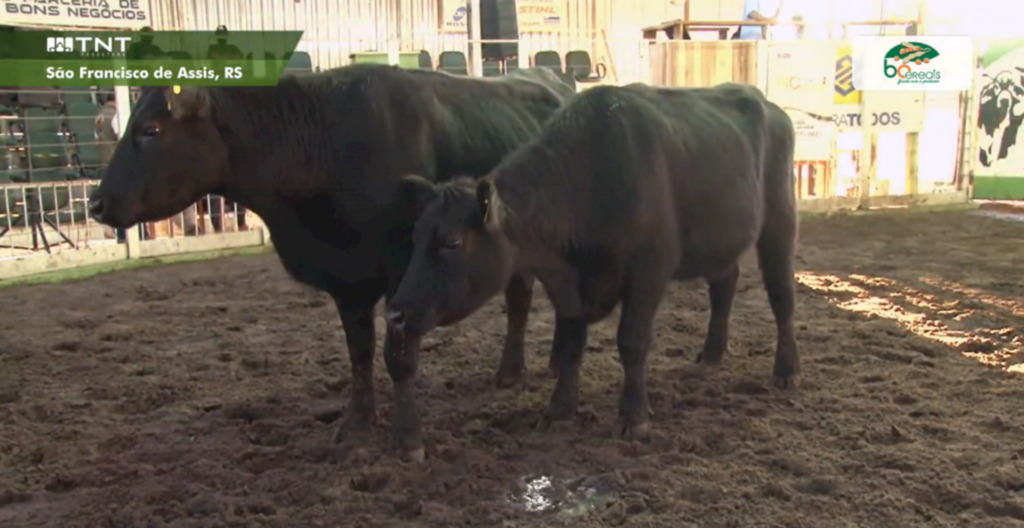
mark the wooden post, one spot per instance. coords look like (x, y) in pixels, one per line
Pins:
(476, 61)
(866, 167)
(132, 236)
(912, 169)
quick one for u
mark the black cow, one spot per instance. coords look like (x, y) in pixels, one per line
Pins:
(319, 159)
(1000, 114)
(625, 189)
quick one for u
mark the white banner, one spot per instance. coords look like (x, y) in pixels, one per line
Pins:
(883, 112)
(535, 16)
(913, 63)
(113, 14)
(801, 77)
(453, 16)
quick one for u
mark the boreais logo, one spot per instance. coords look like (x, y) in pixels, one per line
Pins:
(903, 62)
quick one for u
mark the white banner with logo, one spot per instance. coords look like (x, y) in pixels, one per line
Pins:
(913, 63)
(454, 16)
(113, 14)
(801, 77)
(537, 16)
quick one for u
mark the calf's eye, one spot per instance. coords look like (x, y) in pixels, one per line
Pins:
(151, 131)
(451, 243)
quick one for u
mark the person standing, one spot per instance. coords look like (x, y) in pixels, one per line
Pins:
(759, 11)
(222, 50)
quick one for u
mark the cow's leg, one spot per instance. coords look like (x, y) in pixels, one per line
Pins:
(775, 251)
(645, 283)
(357, 318)
(518, 297)
(401, 355)
(567, 346)
(721, 291)
(566, 356)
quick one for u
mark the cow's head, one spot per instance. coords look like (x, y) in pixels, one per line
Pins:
(461, 258)
(1000, 114)
(170, 155)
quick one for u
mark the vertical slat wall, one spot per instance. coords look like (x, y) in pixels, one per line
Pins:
(335, 29)
(705, 63)
(332, 29)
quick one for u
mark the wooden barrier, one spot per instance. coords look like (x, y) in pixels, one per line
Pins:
(703, 63)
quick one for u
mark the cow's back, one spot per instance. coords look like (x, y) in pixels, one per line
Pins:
(681, 164)
(477, 122)
(722, 134)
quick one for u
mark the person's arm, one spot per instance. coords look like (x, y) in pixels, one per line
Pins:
(760, 17)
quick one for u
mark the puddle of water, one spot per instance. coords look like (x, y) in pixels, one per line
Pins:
(538, 494)
(1001, 215)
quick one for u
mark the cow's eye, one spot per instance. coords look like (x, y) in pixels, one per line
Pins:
(451, 243)
(151, 131)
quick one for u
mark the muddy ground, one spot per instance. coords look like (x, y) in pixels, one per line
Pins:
(204, 395)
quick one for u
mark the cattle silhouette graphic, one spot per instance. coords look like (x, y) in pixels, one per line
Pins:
(1000, 114)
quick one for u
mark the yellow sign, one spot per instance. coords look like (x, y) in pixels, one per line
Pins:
(537, 16)
(845, 93)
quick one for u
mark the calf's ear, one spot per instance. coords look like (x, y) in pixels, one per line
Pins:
(414, 193)
(490, 204)
(188, 101)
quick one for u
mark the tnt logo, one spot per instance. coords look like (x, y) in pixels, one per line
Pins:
(88, 46)
(60, 44)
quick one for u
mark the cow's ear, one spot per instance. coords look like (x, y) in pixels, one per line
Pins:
(490, 204)
(188, 101)
(414, 193)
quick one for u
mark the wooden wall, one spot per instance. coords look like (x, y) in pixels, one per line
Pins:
(695, 63)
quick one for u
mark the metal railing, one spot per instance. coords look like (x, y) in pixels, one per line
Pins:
(52, 217)
(46, 217)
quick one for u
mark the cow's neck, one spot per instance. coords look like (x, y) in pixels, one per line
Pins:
(542, 200)
(268, 131)
(279, 157)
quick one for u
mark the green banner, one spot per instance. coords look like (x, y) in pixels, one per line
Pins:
(145, 58)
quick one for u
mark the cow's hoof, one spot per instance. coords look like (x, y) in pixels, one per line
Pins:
(354, 426)
(785, 382)
(709, 359)
(504, 380)
(554, 416)
(640, 432)
(415, 455)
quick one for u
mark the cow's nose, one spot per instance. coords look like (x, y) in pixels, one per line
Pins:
(95, 208)
(396, 319)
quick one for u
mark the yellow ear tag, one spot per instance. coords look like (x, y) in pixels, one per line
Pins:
(177, 90)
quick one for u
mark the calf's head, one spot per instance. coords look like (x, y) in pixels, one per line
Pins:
(170, 154)
(461, 258)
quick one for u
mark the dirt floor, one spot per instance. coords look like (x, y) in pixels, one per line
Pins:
(204, 395)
